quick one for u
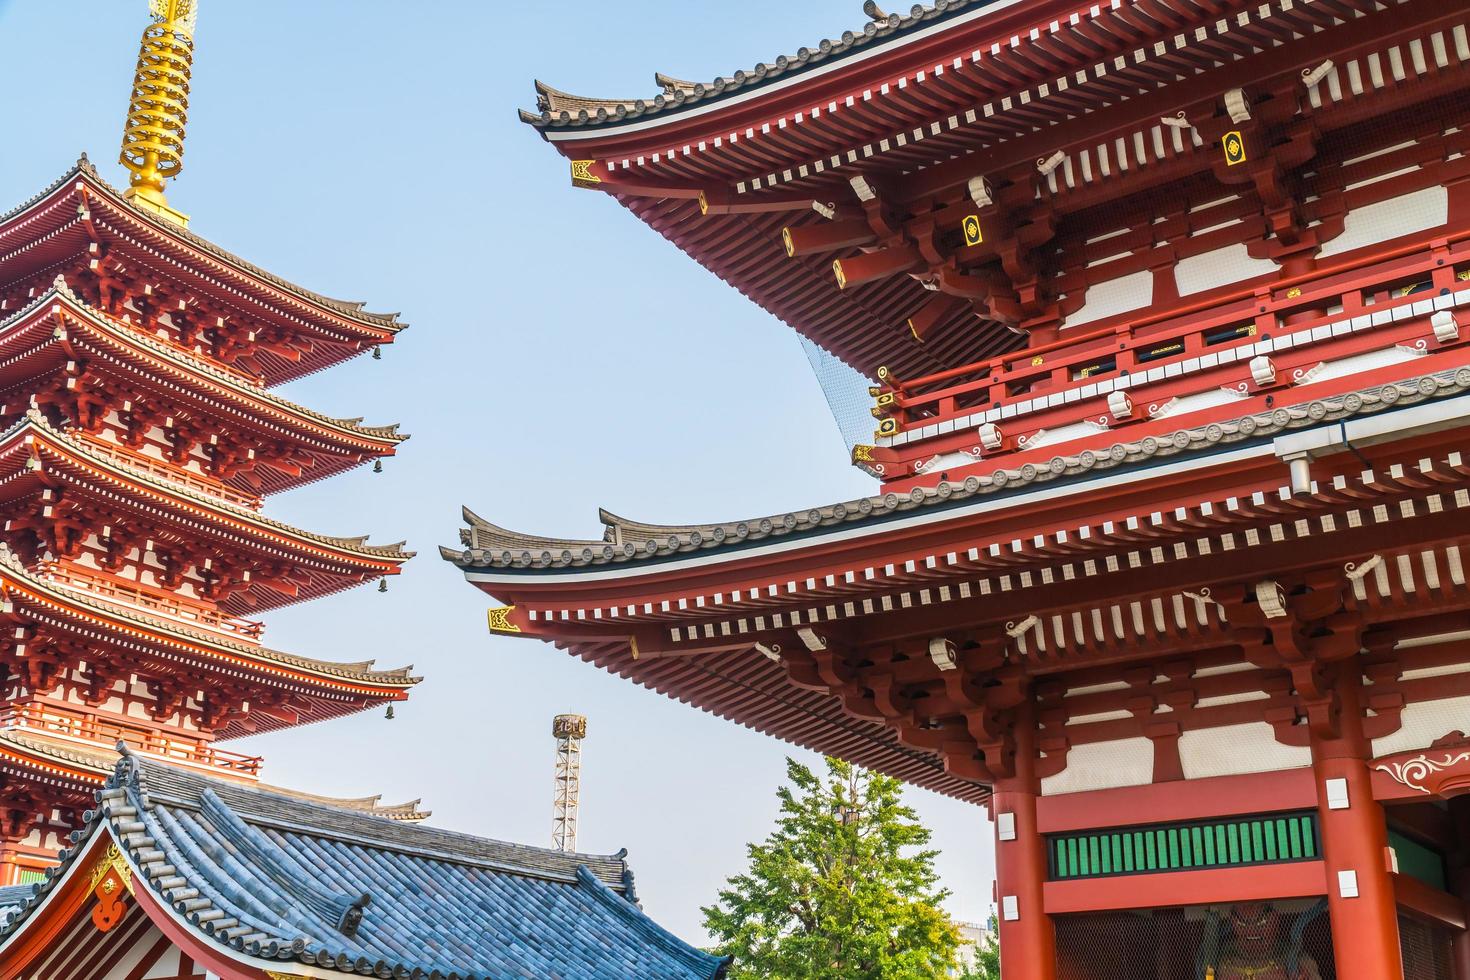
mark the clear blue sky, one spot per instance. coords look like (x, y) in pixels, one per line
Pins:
(561, 357)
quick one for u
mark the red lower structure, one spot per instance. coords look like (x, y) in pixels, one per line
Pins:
(1165, 305)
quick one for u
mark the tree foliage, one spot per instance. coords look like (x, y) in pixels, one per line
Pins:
(987, 957)
(843, 889)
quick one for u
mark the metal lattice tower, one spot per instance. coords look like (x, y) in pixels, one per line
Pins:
(569, 731)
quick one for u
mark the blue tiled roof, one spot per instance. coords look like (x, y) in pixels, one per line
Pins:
(282, 878)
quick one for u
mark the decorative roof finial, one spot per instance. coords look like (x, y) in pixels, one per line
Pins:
(153, 139)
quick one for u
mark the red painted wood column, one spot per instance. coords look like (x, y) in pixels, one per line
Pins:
(1360, 897)
(1027, 940)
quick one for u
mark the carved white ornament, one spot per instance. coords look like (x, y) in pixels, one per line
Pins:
(1413, 772)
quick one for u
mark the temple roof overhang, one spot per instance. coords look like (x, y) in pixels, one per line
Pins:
(81, 209)
(82, 769)
(1078, 117)
(341, 891)
(316, 689)
(1089, 565)
(35, 458)
(57, 328)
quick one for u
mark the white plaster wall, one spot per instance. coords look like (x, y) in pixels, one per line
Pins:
(1132, 292)
(1104, 765)
(1235, 749)
(1221, 267)
(1402, 215)
(1425, 721)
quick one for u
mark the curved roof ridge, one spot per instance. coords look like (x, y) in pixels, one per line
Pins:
(563, 111)
(407, 810)
(1201, 437)
(628, 540)
(60, 289)
(10, 564)
(83, 448)
(670, 84)
(484, 534)
(550, 99)
(291, 811)
(84, 168)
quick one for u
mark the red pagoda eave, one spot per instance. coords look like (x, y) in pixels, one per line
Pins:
(929, 111)
(81, 209)
(57, 328)
(33, 456)
(341, 688)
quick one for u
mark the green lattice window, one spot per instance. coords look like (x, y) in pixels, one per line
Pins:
(27, 876)
(1184, 847)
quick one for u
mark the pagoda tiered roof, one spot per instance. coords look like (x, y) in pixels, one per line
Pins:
(61, 224)
(86, 768)
(57, 328)
(345, 893)
(36, 458)
(1080, 118)
(311, 689)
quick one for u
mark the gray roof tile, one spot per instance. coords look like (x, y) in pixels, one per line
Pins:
(297, 880)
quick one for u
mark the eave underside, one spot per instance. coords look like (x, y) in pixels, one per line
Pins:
(59, 225)
(763, 170)
(820, 645)
(742, 686)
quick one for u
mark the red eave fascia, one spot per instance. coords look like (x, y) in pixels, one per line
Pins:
(11, 587)
(850, 76)
(100, 193)
(260, 403)
(885, 542)
(23, 437)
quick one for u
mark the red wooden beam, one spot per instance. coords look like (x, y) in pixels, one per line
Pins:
(1301, 879)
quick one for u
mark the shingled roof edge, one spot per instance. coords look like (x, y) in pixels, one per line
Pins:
(607, 112)
(532, 554)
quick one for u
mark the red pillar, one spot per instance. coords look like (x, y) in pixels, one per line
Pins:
(1027, 940)
(1365, 932)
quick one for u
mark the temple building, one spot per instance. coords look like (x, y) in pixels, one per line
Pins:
(176, 875)
(1164, 305)
(139, 435)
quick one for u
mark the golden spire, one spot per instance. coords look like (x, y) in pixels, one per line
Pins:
(153, 139)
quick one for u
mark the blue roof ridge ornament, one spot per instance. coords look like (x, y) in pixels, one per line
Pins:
(343, 911)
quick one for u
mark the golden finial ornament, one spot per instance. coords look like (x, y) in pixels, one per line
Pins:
(153, 140)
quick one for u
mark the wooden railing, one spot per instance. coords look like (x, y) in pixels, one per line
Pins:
(53, 720)
(120, 593)
(170, 473)
(1217, 323)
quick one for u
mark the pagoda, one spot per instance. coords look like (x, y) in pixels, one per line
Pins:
(1164, 305)
(139, 435)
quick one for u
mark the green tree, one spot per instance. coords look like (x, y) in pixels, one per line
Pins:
(843, 889)
(987, 957)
